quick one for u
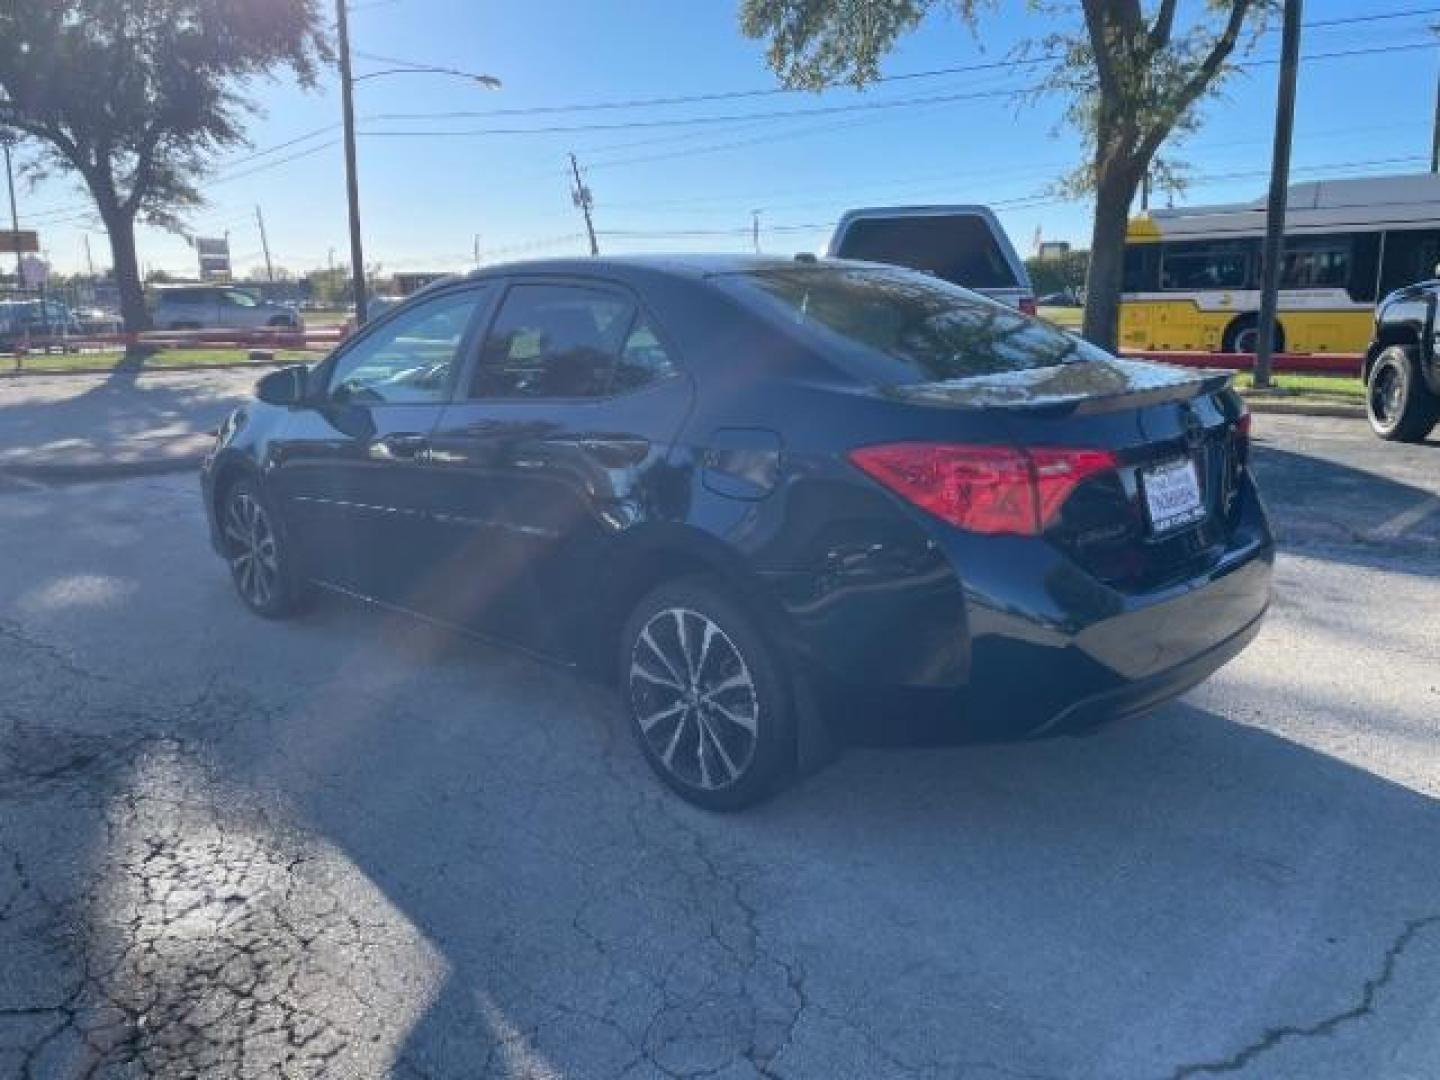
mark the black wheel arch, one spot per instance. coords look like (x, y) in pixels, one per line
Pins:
(1248, 321)
(1386, 336)
(224, 473)
(665, 552)
(657, 553)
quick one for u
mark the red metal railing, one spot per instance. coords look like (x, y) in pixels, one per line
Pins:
(324, 339)
(1282, 363)
(260, 339)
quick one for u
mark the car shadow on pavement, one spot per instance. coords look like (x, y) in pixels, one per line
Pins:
(1180, 891)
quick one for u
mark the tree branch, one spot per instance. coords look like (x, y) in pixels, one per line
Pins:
(1159, 35)
(144, 167)
(1199, 79)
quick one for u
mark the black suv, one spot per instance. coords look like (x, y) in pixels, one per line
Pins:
(744, 489)
(1402, 372)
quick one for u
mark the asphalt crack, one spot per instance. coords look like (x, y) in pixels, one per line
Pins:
(1365, 1006)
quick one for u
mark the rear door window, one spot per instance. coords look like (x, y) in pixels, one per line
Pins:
(556, 341)
(959, 248)
(918, 328)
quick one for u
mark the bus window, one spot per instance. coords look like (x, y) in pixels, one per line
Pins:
(1142, 268)
(1410, 256)
(1364, 266)
(1315, 262)
(1206, 264)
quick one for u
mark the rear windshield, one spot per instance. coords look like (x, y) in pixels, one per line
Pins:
(959, 248)
(914, 328)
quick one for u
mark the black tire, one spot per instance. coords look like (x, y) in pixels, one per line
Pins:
(1400, 406)
(729, 746)
(263, 565)
(1241, 336)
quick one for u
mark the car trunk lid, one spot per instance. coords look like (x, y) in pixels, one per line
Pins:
(1167, 508)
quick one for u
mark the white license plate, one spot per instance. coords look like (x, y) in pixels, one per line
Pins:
(1172, 495)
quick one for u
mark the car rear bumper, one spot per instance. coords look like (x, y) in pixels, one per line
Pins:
(1023, 639)
(1152, 690)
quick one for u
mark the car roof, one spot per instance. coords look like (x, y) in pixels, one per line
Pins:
(696, 266)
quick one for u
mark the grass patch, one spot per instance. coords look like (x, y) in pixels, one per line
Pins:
(165, 358)
(1328, 386)
(1068, 317)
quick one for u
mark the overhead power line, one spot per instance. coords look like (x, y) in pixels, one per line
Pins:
(778, 114)
(732, 95)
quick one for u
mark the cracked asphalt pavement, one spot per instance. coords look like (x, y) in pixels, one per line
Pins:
(354, 846)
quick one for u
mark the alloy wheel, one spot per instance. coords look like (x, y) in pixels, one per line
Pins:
(1386, 392)
(254, 555)
(694, 699)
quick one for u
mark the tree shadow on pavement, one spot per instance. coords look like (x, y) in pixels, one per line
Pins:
(1352, 515)
(1174, 891)
(111, 420)
(354, 834)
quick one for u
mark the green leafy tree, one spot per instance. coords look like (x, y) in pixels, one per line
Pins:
(1131, 72)
(136, 97)
(1059, 273)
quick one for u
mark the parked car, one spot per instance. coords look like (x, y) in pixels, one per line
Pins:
(964, 245)
(1401, 371)
(218, 307)
(742, 488)
(98, 321)
(24, 321)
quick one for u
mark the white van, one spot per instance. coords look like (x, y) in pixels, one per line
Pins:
(964, 245)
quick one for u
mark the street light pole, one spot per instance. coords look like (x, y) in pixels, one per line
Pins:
(14, 213)
(352, 181)
(1279, 190)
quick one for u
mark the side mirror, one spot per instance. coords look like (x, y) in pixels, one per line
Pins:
(286, 387)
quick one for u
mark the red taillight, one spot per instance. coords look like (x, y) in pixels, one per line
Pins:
(1242, 437)
(983, 489)
(1027, 306)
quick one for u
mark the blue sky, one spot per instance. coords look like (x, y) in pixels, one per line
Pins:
(428, 186)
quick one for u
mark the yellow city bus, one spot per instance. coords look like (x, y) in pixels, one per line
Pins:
(1192, 274)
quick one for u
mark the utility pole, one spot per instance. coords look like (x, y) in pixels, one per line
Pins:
(14, 214)
(352, 181)
(89, 259)
(755, 229)
(584, 200)
(477, 249)
(1279, 188)
(265, 245)
(1145, 192)
(1435, 133)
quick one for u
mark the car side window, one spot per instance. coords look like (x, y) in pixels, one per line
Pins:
(553, 341)
(238, 299)
(410, 358)
(642, 361)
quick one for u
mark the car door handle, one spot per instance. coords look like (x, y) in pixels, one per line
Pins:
(401, 446)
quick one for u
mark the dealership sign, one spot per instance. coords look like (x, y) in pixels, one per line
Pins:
(214, 258)
(14, 242)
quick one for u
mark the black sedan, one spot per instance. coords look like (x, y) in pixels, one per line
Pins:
(746, 490)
